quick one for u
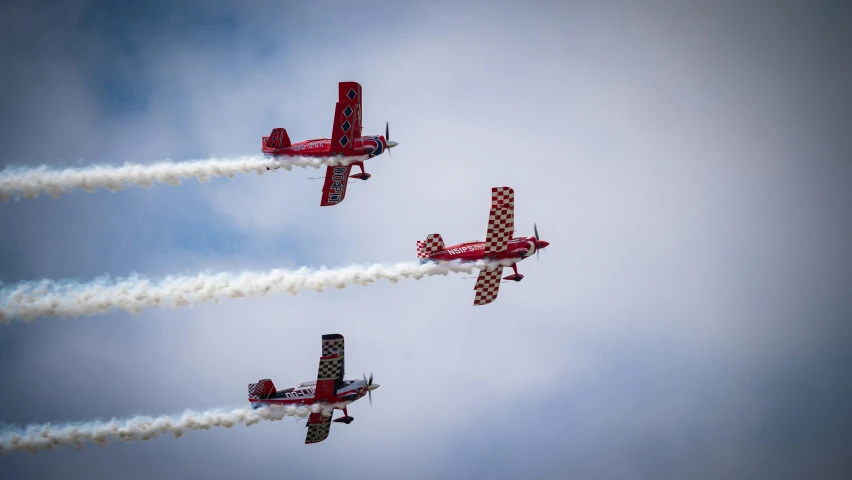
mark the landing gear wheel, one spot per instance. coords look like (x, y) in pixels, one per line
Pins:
(361, 176)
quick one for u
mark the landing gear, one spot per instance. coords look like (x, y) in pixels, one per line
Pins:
(345, 418)
(517, 276)
(363, 175)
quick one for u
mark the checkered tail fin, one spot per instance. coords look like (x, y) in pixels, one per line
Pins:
(261, 389)
(432, 245)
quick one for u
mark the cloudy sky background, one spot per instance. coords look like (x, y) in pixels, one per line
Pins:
(689, 165)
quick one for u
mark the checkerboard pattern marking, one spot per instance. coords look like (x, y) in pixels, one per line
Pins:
(421, 249)
(502, 196)
(257, 390)
(329, 369)
(318, 432)
(433, 244)
(501, 219)
(333, 368)
(501, 226)
(487, 285)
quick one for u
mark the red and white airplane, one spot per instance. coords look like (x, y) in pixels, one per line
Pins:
(346, 141)
(499, 244)
(329, 388)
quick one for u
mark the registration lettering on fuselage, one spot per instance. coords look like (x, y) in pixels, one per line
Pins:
(305, 146)
(465, 249)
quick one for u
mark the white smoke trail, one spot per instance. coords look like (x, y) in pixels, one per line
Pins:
(47, 298)
(34, 438)
(32, 182)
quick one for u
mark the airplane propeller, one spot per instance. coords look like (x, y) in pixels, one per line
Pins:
(369, 390)
(388, 142)
(537, 251)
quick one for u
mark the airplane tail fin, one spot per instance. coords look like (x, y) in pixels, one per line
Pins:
(276, 140)
(261, 389)
(426, 248)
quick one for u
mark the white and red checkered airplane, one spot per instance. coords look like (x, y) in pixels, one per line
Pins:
(346, 141)
(329, 388)
(499, 244)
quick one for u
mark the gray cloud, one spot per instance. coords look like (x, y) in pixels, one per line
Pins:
(686, 163)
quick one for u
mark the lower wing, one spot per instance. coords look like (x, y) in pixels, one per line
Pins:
(334, 188)
(487, 285)
(319, 426)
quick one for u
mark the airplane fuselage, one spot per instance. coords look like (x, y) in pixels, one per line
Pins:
(518, 248)
(365, 146)
(351, 391)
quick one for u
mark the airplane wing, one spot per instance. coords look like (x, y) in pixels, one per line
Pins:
(319, 426)
(487, 285)
(501, 220)
(334, 188)
(501, 226)
(330, 373)
(347, 118)
(329, 379)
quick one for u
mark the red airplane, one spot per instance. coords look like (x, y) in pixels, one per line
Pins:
(499, 244)
(346, 142)
(329, 388)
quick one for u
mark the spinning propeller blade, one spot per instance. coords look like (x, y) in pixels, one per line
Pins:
(537, 251)
(387, 138)
(388, 141)
(369, 384)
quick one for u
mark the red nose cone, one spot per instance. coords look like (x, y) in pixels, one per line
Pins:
(542, 244)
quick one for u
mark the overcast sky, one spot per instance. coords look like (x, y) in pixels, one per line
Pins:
(688, 164)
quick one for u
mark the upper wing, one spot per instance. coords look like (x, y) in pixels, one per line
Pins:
(329, 378)
(330, 373)
(347, 118)
(501, 220)
(319, 426)
(487, 285)
(334, 188)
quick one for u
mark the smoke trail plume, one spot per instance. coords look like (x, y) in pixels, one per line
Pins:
(32, 182)
(35, 438)
(30, 300)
